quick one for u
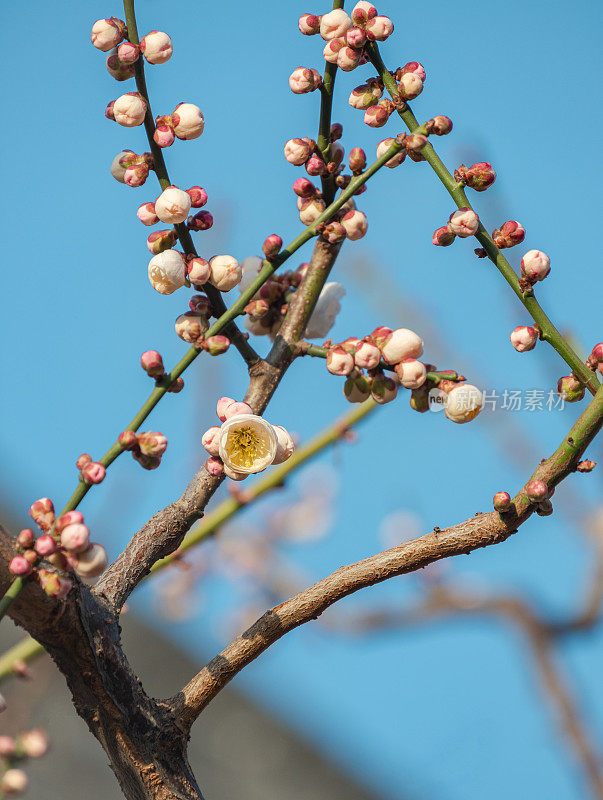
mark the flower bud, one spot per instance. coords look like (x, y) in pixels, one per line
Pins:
(236, 408)
(523, 338)
(201, 221)
(442, 237)
(297, 151)
(117, 69)
(247, 444)
(34, 743)
(75, 538)
(42, 512)
(377, 116)
(8, 746)
(129, 110)
(464, 403)
(415, 143)
(315, 166)
(355, 224)
(333, 232)
(311, 210)
(537, 491)
(158, 241)
(379, 335)
(585, 466)
(136, 175)
(304, 188)
(357, 159)
(303, 80)
(334, 24)
(367, 355)
(412, 373)
(285, 445)
(272, 245)
(222, 405)
(535, 266)
(120, 164)
(164, 135)
(309, 24)
(217, 345)
(198, 271)
(214, 466)
(156, 47)
(107, 33)
(356, 38)
(19, 566)
(439, 125)
(83, 460)
(501, 501)
(383, 389)
(146, 214)
(356, 388)
(463, 223)
(211, 440)
(570, 389)
(365, 95)
(152, 443)
(167, 271)
(332, 49)
(147, 462)
(152, 363)
(510, 234)
(68, 518)
(14, 781)
(544, 509)
(348, 58)
(382, 149)
(362, 12)
(400, 344)
(176, 386)
(128, 53)
(91, 562)
(378, 29)
(188, 121)
(128, 440)
(172, 205)
(479, 177)
(201, 304)
(191, 326)
(198, 196)
(410, 85)
(339, 361)
(225, 272)
(92, 473)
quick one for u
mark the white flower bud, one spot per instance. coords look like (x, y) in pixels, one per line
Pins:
(535, 265)
(156, 47)
(411, 85)
(211, 440)
(92, 562)
(14, 781)
(326, 310)
(463, 222)
(225, 272)
(167, 271)
(107, 33)
(464, 403)
(357, 388)
(284, 444)
(524, 338)
(379, 28)
(366, 355)
(400, 344)
(384, 146)
(247, 444)
(297, 152)
(310, 210)
(173, 205)
(334, 24)
(339, 361)
(130, 109)
(412, 373)
(355, 224)
(188, 121)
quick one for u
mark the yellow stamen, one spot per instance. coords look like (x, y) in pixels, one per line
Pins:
(244, 448)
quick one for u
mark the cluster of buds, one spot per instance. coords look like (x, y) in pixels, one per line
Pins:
(479, 177)
(130, 168)
(192, 326)
(110, 36)
(595, 359)
(147, 447)
(304, 151)
(174, 207)
(152, 363)
(64, 543)
(570, 389)
(185, 122)
(368, 97)
(346, 35)
(535, 266)
(539, 493)
(14, 750)
(244, 443)
(462, 223)
(509, 234)
(90, 471)
(347, 222)
(524, 337)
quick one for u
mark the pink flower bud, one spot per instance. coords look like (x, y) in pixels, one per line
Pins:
(167, 271)
(463, 223)
(524, 338)
(158, 241)
(201, 221)
(42, 512)
(188, 121)
(129, 110)
(211, 439)
(217, 345)
(128, 53)
(365, 96)
(356, 38)
(152, 443)
(215, 466)
(382, 149)
(356, 388)
(416, 68)
(510, 234)
(191, 326)
(109, 110)
(136, 175)
(415, 142)
(107, 33)
(272, 245)
(225, 272)
(26, 538)
(221, 407)
(303, 80)
(400, 344)
(501, 501)
(348, 58)
(570, 389)
(412, 373)
(117, 69)
(379, 335)
(164, 135)
(362, 12)
(285, 445)
(31, 556)
(201, 304)
(383, 389)
(8, 746)
(309, 24)
(334, 24)
(535, 266)
(68, 518)
(315, 166)
(152, 363)
(235, 408)
(146, 214)
(14, 781)
(304, 188)
(91, 562)
(379, 29)
(83, 460)
(350, 344)
(297, 151)
(439, 125)
(156, 47)
(442, 237)
(333, 232)
(20, 567)
(357, 159)
(34, 743)
(45, 545)
(479, 177)
(198, 196)
(537, 491)
(410, 85)
(176, 386)
(367, 355)
(339, 361)
(128, 440)
(75, 538)
(355, 224)
(377, 116)
(172, 205)
(198, 271)
(94, 472)
(311, 210)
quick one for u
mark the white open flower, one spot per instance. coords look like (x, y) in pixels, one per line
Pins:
(248, 444)
(167, 271)
(464, 403)
(326, 310)
(173, 205)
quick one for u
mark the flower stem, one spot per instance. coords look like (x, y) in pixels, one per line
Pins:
(550, 333)
(11, 593)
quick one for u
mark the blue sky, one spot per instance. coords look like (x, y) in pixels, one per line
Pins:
(450, 711)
